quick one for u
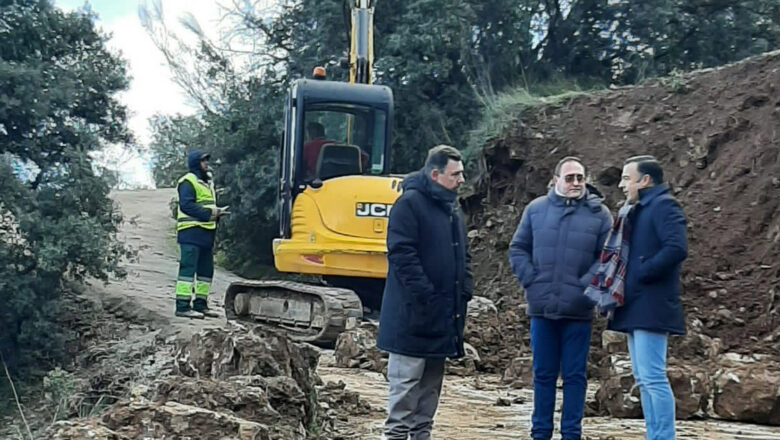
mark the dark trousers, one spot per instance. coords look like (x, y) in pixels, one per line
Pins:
(559, 347)
(196, 269)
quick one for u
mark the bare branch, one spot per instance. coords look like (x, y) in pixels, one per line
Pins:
(16, 396)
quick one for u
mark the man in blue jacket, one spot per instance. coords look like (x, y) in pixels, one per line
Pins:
(428, 286)
(196, 224)
(554, 255)
(652, 309)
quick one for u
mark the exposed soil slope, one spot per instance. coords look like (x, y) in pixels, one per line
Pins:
(716, 133)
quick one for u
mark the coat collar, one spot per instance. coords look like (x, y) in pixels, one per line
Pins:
(592, 197)
(648, 194)
(556, 199)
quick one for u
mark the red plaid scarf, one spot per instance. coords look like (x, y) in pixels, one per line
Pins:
(606, 286)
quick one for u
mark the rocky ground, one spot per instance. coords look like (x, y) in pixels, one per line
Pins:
(138, 372)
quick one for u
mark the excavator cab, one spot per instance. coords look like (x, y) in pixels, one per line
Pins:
(332, 129)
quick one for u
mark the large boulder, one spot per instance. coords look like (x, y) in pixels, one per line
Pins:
(498, 334)
(276, 401)
(221, 355)
(79, 429)
(235, 383)
(142, 418)
(617, 394)
(614, 342)
(748, 390)
(619, 397)
(692, 390)
(175, 420)
(356, 348)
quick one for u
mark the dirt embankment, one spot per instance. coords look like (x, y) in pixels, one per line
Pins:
(716, 134)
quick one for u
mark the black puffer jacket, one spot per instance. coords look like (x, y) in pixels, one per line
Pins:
(428, 277)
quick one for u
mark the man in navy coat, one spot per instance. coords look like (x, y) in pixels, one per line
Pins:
(428, 286)
(554, 255)
(652, 309)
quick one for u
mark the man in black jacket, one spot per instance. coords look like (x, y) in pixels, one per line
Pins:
(428, 286)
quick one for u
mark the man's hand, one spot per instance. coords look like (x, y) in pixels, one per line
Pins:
(216, 213)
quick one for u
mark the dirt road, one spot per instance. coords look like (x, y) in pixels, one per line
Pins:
(468, 406)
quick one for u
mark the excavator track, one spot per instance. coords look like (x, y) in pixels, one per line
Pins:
(306, 312)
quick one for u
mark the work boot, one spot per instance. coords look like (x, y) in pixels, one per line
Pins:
(184, 310)
(201, 305)
(192, 314)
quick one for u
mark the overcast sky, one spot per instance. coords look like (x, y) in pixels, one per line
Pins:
(151, 88)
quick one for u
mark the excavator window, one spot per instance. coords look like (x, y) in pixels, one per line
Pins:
(343, 139)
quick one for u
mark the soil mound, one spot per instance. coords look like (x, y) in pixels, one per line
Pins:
(228, 383)
(716, 133)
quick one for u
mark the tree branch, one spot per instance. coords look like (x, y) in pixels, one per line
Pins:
(16, 396)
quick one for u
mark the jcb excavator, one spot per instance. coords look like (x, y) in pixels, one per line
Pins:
(335, 196)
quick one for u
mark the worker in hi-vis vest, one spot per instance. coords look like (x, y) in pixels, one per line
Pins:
(196, 225)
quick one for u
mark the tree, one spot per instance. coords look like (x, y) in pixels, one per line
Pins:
(657, 37)
(172, 138)
(242, 133)
(57, 105)
(445, 61)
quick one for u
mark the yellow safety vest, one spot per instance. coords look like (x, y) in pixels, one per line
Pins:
(204, 196)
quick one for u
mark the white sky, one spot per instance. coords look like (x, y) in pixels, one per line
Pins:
(151, 88)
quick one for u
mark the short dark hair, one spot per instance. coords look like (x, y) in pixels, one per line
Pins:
(440, 155)
(648, 165)
(560, 163)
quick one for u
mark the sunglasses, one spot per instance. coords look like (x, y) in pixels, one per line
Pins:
(569, 178)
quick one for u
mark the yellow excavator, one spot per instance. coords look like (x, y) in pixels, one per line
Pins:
(335, 197)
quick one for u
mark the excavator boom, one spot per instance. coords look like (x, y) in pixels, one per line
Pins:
(361, 54)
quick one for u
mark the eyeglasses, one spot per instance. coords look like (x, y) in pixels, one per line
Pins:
(569, 178)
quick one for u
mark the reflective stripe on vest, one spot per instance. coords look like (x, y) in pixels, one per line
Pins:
(204, 197)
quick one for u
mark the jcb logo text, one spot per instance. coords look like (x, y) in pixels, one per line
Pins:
(372, 209)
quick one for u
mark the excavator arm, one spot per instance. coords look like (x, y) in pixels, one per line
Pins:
(361, 51)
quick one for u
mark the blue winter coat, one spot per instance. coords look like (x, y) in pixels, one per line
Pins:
(195, 236)
(555, 250)
(428, 275)
(658, 246)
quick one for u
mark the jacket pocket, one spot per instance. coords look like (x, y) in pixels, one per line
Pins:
(530, 276)
(536, 294)
(427, 318)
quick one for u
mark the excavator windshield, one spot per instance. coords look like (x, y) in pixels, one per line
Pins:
(343, 139)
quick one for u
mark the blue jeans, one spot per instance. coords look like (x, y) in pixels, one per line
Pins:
(648, 360)
(559, 347)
